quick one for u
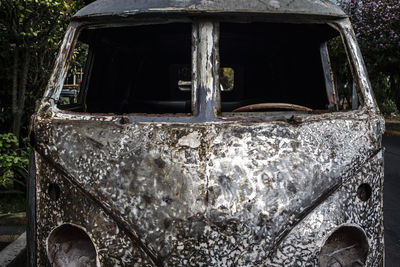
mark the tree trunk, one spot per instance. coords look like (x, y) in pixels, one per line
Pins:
(21, 92)
(14, 93)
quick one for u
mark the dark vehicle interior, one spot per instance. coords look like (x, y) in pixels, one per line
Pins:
(132, 69)
(147, 69)
(274, 63)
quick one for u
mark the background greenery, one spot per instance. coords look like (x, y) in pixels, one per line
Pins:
(31, 32)
(377, 26)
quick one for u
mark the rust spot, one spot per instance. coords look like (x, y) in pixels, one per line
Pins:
(124, 120)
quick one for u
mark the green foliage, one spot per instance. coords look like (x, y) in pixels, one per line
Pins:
(37, 20)
(78, 61)
(227, 78)
(382, 86)
(377, 27)
(341, 70)
(36, 26)
(380, 80)
(29, 29)
(13, 161)
(388, 107)
(80, 55)
(11, 203)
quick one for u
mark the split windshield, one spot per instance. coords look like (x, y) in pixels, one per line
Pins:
(148, 69)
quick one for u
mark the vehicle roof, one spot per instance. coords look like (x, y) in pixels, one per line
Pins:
(133, 7)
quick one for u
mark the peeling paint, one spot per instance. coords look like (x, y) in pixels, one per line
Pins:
(192, 140)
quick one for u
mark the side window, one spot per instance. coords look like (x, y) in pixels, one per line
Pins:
(347, 96)
(135, 70)
(227, 79)
(72, 84)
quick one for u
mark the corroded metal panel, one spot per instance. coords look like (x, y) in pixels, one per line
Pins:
(341, 208)
(218, 194)
(77, 208)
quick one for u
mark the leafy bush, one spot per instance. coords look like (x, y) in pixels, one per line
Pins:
(376, 24)
(13, 161)
(388, 107)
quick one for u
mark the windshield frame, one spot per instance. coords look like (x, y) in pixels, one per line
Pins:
(205, 82)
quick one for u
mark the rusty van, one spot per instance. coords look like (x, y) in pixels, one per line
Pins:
(207, 133)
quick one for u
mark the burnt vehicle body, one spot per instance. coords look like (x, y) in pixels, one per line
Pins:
(207, 133)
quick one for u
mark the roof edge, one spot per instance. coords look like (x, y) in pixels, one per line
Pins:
(125, 8)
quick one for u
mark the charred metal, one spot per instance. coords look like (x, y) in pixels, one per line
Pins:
(205, 180)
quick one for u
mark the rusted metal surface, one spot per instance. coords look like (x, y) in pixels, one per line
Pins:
(262, 106)
(208, 189)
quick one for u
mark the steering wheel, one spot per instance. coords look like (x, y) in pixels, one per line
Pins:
(262, 106)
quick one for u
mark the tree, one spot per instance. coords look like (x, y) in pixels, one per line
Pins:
(377, 26)
(30, 35)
